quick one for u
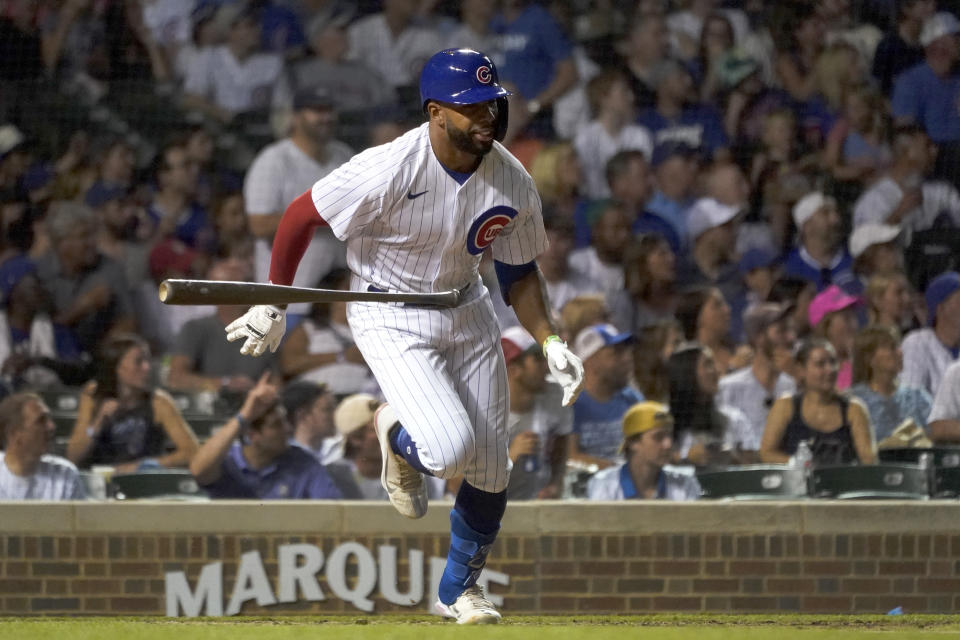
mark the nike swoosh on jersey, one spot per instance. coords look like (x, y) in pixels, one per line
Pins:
(414, 196)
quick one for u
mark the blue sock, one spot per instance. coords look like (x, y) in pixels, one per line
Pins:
(403, 445)
(474, 524)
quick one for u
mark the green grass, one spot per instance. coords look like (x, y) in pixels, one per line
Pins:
(660, 627)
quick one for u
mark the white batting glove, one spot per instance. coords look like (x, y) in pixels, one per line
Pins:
(263, 326)
(565, 367)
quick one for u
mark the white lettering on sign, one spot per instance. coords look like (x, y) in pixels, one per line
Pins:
(298, 566)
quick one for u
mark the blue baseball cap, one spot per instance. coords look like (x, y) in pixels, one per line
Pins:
(756, 258)
(592, 339)
(939, 289)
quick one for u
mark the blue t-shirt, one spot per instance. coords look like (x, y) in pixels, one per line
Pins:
(672, 211)
(931, 102)
(650, 222)
(700, 126)
(295, 474)
(840, 274)
(599, 425)
(533, 44)
(193, 227)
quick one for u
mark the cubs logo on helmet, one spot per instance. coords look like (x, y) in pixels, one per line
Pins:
(483, 74)
(487, 226)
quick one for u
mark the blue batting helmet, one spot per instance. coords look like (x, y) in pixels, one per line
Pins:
(463, 76)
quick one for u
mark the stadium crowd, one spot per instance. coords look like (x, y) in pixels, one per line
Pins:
(752, 210)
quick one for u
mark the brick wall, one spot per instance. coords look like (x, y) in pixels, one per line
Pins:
(122, 572)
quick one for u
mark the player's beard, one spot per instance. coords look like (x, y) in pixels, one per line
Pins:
(464, 141)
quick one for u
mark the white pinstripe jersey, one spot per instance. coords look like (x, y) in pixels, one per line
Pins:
(409, 226)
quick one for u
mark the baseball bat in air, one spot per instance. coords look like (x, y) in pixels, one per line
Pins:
(250, 293)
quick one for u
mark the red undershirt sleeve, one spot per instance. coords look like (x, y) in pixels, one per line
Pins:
(292, 238)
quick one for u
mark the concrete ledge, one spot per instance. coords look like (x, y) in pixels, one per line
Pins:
(535, 518)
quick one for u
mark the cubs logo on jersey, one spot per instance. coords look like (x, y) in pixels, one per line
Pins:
(485, 228)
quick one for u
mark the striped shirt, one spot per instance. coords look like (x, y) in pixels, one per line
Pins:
(56, 478)
(925, 359)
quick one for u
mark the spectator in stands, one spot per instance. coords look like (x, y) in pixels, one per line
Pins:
(889, 300)
(798, 293)
(537, 60)
(753, 389)
(123, 227)
(929, 351)
(556, 171)
(716, 40)
(925, 94)
(705, 432)
(394, 43)
(174, 210)
(234, 78)
(251, 457)
(21, 53)
(123, 420)
(606, 396)
(286, 169)
(475, 29)
(539, 427)
(582, 312)
(321, 347)
(876, 250)
(358, 472)
(905, 196)
(712, 237)
(647, 473)
(73, 44)
(900, 48)
(945, 414)
(799, 38)
(309, 407)
(629, 178)
(30, 344)
(877, 363)
(650, 277)
(563, 284)
(611, 130)
(675, 173)
(654, 345)
(602, 262)
(819, 255)
(90, 294)
(856, 147)
(758, 269)
(15, 159)
(833, 317)
(234, 239)
(351, 84)
(27, 471)
(704, 317)
(836, 428)
(678, 117)
(202, 360)
(648, 44)
(116, 163)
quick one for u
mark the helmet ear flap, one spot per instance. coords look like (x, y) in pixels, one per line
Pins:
(503, 116)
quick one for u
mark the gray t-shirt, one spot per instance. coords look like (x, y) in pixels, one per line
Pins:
(56, 478)
(205, 343)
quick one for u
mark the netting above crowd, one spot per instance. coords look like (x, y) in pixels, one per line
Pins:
(720, 180)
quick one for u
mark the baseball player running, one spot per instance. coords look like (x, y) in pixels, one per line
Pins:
(416, 214)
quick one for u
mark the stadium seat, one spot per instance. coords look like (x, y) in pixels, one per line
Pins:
(946, 482)
(174, 484)
(753, 482)
(870, 482)
(942, 456)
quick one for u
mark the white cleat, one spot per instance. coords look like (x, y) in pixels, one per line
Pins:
(404, 484)
(472, 607)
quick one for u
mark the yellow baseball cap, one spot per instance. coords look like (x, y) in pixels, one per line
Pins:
(645, 416)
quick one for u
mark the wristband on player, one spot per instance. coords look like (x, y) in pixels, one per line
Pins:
(553, 338)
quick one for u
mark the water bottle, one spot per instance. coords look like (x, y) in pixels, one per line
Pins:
(803, 457)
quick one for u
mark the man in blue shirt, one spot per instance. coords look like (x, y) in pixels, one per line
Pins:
(598, 413)
(538, 61)
(819, 256)
(675, 173)
(261, 464)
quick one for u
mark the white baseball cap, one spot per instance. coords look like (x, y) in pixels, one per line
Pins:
(942, 23)
(809, 205)
(867, 235)
(706, 214)
(354, 412)
(592, 339)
